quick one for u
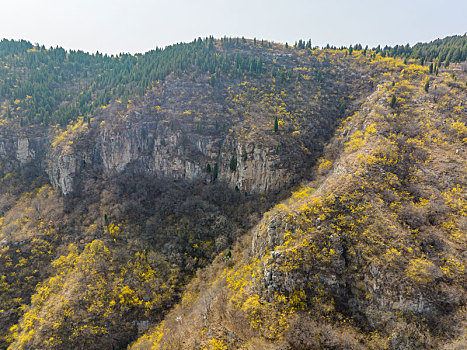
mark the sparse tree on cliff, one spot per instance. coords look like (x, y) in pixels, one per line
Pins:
(233, 163)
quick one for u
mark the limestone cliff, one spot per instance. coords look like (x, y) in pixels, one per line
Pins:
(191, 130)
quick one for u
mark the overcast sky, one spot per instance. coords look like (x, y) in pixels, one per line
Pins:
(114, 26)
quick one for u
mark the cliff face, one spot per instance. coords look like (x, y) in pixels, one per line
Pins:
(189, 129)
(155, 148)
(151, 147)
(165, 152)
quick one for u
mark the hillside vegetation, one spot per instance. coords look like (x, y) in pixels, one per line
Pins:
(353, 238)
(40, 85)
(369, 255)
(103, 263)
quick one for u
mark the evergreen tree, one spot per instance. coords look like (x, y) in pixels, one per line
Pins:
(282, 77)
(233, 163)
(393, 101)
(276, 125)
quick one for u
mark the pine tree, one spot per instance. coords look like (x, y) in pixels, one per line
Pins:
(282, 77)
(276, 125)
(393, 101)
(233, 163)
(427, 86)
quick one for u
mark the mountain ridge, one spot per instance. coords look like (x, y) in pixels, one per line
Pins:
(106, 221)
(286, 286)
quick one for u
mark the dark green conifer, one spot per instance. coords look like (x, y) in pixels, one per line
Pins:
(233, 163)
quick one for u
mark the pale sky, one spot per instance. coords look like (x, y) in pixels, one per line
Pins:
(114, 26)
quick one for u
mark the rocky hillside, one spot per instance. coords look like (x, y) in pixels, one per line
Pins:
(124, 177)
(369, 255)
(170, 178)
(204, 127)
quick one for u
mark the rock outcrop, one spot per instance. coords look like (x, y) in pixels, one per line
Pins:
(170, 141)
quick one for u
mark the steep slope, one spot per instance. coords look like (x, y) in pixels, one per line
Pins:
(106, 220)
(370, 255)
(190, 121)
(123, 176)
